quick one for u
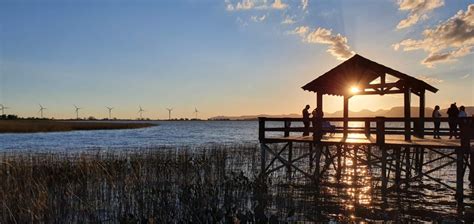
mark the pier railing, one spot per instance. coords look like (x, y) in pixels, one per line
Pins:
(379, 126)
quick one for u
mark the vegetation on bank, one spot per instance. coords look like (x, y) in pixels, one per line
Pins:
(28, 126)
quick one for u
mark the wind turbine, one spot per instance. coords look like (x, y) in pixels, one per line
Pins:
(140, 112)
(169, 112)
(196, 111)
(77, 111)
(110, 111)
(3, 108)
(41, 110)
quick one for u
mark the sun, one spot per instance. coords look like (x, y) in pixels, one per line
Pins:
(354, 89)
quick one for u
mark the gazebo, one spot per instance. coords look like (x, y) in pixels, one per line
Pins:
(361, 76)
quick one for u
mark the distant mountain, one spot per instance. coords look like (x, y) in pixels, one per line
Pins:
(392, 112)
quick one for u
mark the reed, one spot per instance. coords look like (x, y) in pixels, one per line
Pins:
(155, 185)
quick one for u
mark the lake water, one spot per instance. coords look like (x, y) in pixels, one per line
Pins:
(166, 133)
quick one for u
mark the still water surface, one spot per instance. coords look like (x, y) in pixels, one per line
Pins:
(166, 133)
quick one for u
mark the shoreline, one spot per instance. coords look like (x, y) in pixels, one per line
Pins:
(36, 126)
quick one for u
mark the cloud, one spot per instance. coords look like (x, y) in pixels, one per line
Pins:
(338, 46)
(430, 79)
(288, 20)
(301, 31)
(465, 76)
(254, 4)
(447, 41)
(258, 19)
(304, 4)
(279, 5)
(418, 10)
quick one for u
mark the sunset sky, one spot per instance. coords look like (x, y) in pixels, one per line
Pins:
(228, 57)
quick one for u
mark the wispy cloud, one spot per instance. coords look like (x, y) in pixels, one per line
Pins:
(288, 20)
(418, 10)
(465, 76)
(254, 4)
(258, 18)
(430, 79)
(448, 41)
(338, 46)
(304, 4)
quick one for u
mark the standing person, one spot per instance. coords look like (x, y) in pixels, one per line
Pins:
(436, 119)
(453, 113)
(462, 112)
(462, 116)
(306, 120)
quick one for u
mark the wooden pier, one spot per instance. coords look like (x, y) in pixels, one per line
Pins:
(382, 143)
(396, 146)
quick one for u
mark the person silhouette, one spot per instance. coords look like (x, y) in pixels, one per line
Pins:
(436, 120)
(453, 113)
(306, 120)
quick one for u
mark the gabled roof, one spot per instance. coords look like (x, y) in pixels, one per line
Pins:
(360, 71)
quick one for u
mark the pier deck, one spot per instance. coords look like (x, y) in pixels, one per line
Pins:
(361, 139)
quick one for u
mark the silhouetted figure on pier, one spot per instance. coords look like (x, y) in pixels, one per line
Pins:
(306, 120)
(436, 119)
(453, 113)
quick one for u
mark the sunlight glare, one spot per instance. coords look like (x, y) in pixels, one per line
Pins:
(355, 89)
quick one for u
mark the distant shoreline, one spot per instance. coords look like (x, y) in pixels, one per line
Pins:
(34, 126)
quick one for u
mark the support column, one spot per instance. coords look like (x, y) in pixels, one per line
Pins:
(407, 166)
(421, 124)
(459, 176)
(290, 158)
(407, 114)
(397, 167)
(384, 171)
(346, 115)
(318, 132)
(263, 158)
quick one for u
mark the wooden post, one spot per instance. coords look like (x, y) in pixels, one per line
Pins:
(319, 149)
(367, 129)
(263, 158)
(460, 175)
(407, 165)
(311, 156)
(407, 116)
(381, 144)
(318, 130)
(380, 131)
(384, 171)
(397, 167)
(290, 158)
(339, 162)
(421, 158)
(346, 115)
(421, 121)
(287, 128)
(261, 129)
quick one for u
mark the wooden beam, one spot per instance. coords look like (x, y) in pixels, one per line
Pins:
(380, 92)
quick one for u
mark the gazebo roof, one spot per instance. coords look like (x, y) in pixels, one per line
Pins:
(359, 71)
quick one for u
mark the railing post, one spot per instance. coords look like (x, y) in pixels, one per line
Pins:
(380, 131)
(318, 129)
(287, 128)
(367, 129)
(261, 129)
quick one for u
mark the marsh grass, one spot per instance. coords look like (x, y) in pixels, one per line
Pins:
(209, 184)
(155, 186)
